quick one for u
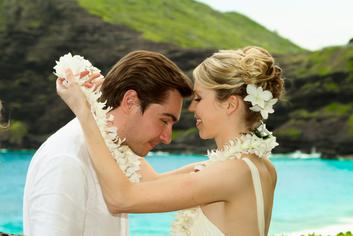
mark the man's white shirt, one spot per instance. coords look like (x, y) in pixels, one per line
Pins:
(62, 195)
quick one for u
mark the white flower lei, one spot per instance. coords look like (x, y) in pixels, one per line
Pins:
(127, 160)
(260, 142)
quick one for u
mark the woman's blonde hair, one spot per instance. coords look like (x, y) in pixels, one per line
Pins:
(228, 72)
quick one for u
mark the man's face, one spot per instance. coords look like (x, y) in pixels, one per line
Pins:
(144, 131)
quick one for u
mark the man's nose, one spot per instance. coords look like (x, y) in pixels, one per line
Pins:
(166, 135)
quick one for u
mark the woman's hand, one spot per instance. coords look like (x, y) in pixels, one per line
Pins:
(95, 80)
(71, 94)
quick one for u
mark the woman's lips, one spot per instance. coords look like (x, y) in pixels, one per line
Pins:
(198, 122)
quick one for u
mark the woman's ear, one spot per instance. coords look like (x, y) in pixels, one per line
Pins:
(232, 104)
(129, 100)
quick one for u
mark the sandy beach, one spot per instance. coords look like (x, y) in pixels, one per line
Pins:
(331, 230)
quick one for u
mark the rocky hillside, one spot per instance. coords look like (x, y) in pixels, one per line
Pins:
(319, 110)
(33, 34)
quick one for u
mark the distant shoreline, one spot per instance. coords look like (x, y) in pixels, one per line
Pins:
(290, 155)
(6, 234)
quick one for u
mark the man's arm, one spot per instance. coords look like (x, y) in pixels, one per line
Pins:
(57, 198)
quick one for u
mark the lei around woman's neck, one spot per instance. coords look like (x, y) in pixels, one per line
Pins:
(259, 142)
(128, 161)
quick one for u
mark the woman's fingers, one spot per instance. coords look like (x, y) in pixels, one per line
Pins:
(95, 80)
(84, 73)
(59, 84)
(94, 76)
(69, 75)
(98, 83)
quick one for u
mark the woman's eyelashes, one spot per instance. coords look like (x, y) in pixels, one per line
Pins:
(197, 98)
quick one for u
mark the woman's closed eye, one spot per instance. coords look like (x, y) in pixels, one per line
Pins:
(197, 98)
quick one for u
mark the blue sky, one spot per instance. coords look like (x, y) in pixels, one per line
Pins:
(311, 24)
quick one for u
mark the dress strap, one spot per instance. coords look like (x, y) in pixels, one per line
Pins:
(258, 194)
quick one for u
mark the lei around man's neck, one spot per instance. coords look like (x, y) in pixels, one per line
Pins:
(127, 160)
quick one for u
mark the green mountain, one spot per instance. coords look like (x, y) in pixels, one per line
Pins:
(33, 34)
(319, 107)
(188, 24)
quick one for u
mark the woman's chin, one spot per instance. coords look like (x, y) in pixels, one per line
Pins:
(204, 135)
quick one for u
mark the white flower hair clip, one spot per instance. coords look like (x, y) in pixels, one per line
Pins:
(261, 100)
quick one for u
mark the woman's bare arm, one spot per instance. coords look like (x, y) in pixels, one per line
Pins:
(148, 173)
(178, 191)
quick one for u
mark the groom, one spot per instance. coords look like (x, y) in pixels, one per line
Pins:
(62, 195)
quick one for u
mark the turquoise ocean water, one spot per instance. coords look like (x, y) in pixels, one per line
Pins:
(311, 193)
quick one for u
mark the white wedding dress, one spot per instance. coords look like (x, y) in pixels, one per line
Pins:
(202, 226)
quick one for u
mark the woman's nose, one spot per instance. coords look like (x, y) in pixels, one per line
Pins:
(191, 107)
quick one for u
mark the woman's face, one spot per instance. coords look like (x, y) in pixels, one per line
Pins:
(210, 114)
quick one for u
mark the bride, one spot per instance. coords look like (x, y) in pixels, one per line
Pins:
(232, 193)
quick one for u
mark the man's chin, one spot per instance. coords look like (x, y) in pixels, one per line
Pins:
(141, 153)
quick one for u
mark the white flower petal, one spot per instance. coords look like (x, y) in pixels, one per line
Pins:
(264, 114)
(251, 89)
(266, 95)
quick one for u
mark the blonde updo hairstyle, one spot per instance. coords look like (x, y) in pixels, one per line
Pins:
(228, 72)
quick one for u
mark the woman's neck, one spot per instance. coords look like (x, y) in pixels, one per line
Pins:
(224, 138)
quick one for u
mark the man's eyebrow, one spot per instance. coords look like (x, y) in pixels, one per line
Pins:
(171, 116)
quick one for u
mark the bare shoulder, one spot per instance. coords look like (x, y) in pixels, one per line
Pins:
(271, 170)
(235, 167)
(234, 175)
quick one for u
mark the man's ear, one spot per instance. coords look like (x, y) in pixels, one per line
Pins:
(232, 104)
(130, 100)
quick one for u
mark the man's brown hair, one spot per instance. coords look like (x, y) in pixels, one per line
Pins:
(150, 74)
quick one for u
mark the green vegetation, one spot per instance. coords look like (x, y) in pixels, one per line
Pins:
(2, 15)
(331, 87)
(189, 24)
(350, 125)
(323, 62)
(338, 108)
(349, 233)
(311, 87)
(334, 109)
(17, 131)
(182, 133)
(290, 132)
(303, 114)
